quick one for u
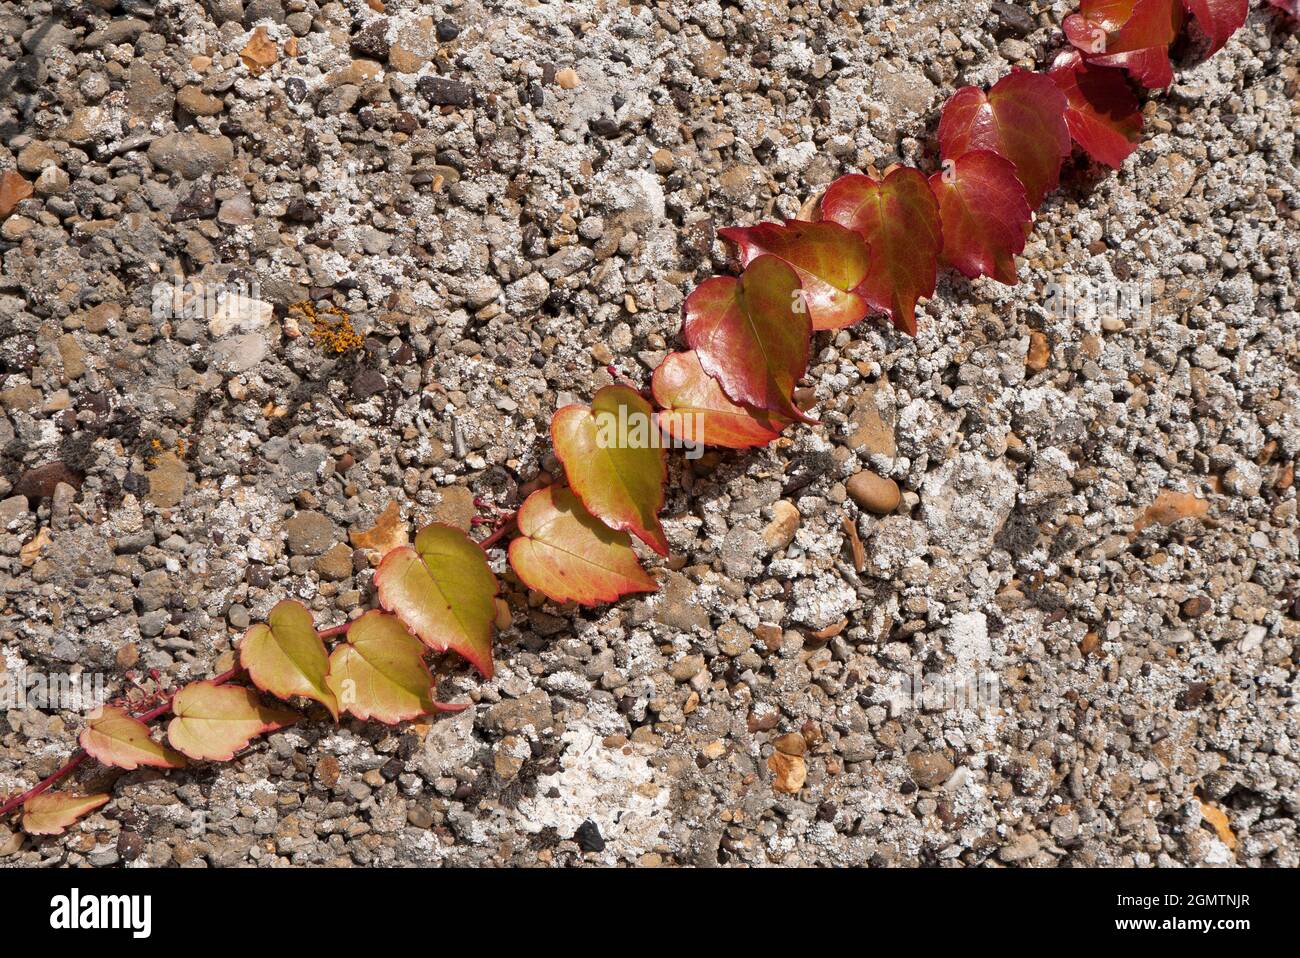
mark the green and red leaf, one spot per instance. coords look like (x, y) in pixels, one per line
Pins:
(985, 215)
(1021, 119)
(213, 722)
(379, 672)
(1134, 35)
(615, 461)
(899, 219)
(51, 812)
(286, 657)
(1217, 20)
(831, 263)
(1103, 115)
(444, 591)
(116, 738)
(566, 553)
(696, 410)
(752, 334)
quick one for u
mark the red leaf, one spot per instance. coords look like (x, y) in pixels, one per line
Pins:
(1219, 19)
(1022, 119)
(1103, 114)
(696, 410)
(752, 334)
(899, 219)
(1132, 34)
(1290, 7)
(831, 261)
(985, 216)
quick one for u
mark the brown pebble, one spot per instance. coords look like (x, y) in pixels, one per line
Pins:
(791, 743)
(789, 772)
(327, 770)
(874, 493)
(1039, 352)
(770, 634)
(929, 770)
(1195, 607)
(39, 482)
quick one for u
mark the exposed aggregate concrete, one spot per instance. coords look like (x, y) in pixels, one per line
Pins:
(507, 197)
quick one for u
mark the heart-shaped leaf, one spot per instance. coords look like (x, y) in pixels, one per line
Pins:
(1217, 20)
(1103, 114)
(213, 722)
(830, 261)
(51, 812)
(696, 410)
(1022, 119)
(752, 334)
(285, 656)
(985, 216)
(1134, 35)
(444, 592)
(568, 554)
(116, 738)
(899, 218)
(613, 456)
(379, 672)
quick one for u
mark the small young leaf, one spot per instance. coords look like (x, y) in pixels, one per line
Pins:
(696, 410)
(443, 590)
(116, 738)
(1022, 119)
(379, 672)
(984, 213)
(1131, 34)
(614, 459)
(752, 334)
(1103, 114)
(831, 262)
(568, 554)
(899, 218)
(1218, 19)
(51, 812)
(285, 656)
(213, 722)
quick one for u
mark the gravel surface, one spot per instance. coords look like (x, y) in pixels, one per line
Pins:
(1054, 624)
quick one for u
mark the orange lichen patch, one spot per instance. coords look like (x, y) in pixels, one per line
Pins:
(331, 327)
(1171, 506)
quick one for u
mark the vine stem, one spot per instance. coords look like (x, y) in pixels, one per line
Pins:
(80, 755)
(501, 532)
(336, 630)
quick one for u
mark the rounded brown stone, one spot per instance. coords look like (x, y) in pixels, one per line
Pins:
(874, 493)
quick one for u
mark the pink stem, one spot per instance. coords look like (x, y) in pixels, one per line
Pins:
(76, 759)
(79, 756)
(502, 531)
(336, 630)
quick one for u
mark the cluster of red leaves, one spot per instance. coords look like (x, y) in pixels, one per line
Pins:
(876, 247)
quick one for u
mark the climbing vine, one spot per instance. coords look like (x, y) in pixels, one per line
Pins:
(874, 245)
